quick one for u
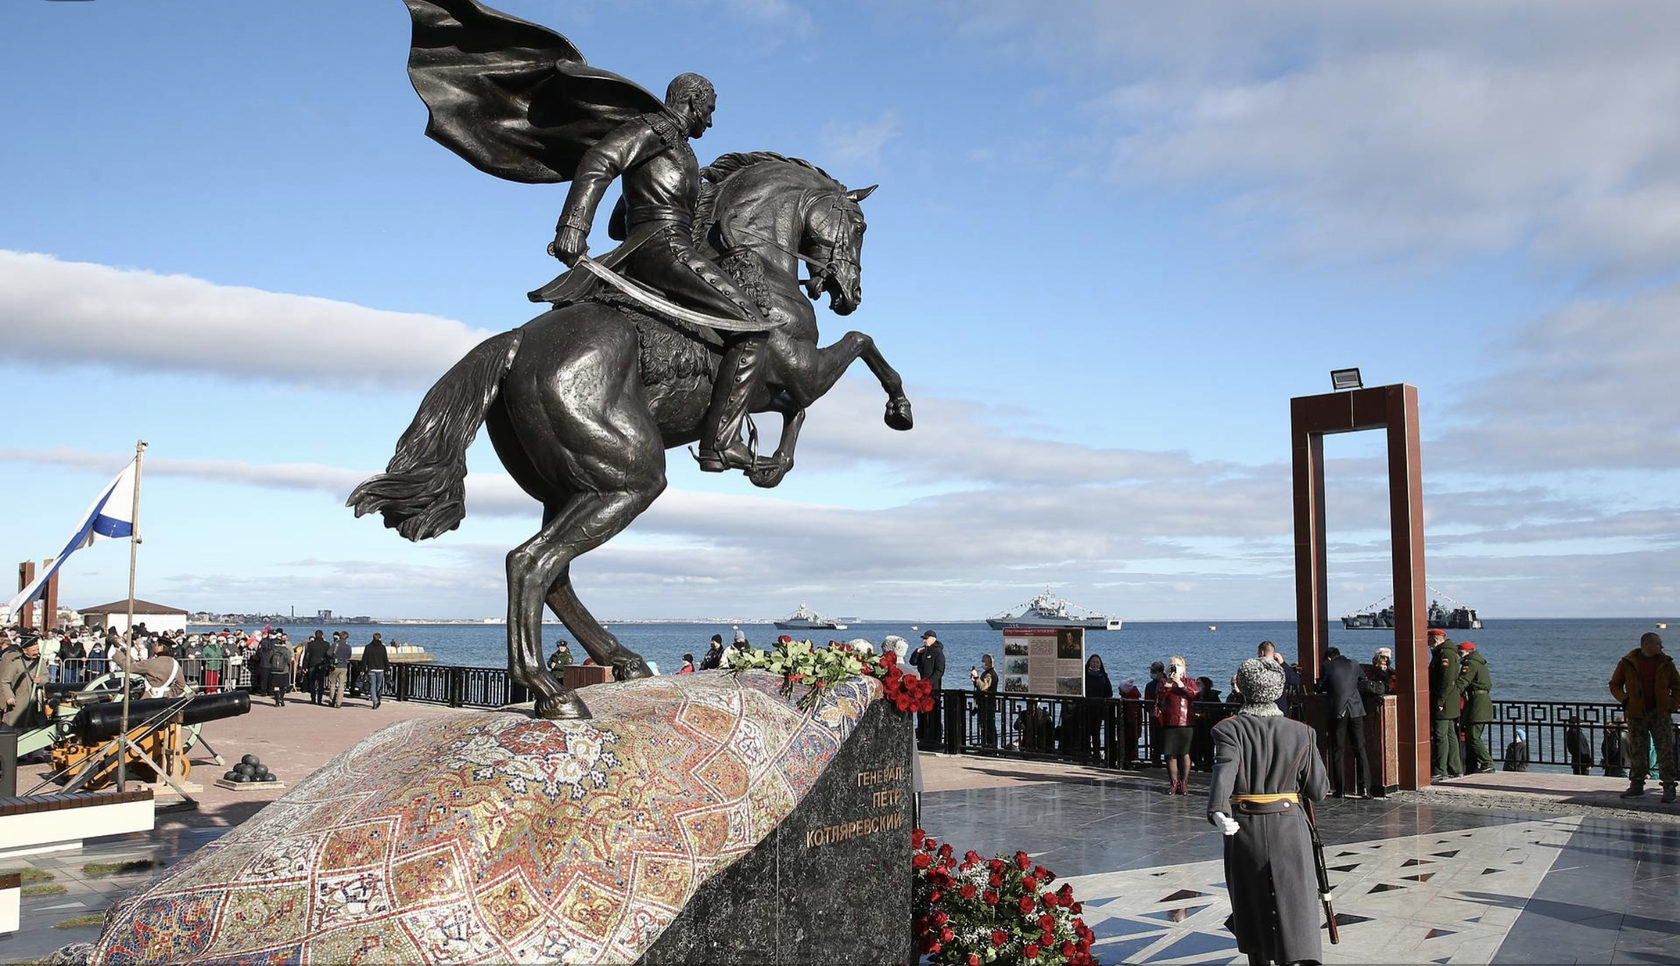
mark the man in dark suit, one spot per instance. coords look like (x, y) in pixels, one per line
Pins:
(1344, 710)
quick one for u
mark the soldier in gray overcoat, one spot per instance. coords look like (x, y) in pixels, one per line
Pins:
(1264, 764)
(21, 677)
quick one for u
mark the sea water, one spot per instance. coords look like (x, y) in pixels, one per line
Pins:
(1531, 660)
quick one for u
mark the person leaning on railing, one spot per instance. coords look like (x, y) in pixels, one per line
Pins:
(985, 681)
(1647, 686)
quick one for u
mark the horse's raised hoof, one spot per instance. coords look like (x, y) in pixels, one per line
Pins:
(564, 705)
(631, 668)
(898, 414)
(769, 472)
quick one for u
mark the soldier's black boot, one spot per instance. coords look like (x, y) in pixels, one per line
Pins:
(1634, 790)
(721, 447)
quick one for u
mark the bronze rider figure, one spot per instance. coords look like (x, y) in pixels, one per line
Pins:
(661, 186)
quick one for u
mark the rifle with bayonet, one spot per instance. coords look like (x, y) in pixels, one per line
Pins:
(1323, 872)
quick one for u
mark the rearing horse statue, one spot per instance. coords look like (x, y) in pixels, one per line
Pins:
(582, 401)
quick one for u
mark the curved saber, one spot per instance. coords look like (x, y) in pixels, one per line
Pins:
(659, 303)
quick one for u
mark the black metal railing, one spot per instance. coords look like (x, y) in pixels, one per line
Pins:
(456, 685)
(1547, 725)
(1120, 733)
(1116, 733)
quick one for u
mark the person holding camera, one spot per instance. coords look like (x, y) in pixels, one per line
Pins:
(984, 679)
(1178, 722)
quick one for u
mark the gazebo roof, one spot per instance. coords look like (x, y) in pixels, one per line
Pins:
(121, 607)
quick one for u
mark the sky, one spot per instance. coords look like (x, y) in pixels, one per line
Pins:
(1111, 241)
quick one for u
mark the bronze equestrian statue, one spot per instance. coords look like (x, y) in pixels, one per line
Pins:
(697, 318)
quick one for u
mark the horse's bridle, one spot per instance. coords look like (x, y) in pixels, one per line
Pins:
(821, 264)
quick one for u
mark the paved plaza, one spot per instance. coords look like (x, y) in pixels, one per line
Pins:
(1535, 868)
(1447, 877)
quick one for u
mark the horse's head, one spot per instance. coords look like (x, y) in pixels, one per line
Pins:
(833, 246)
(786, 210)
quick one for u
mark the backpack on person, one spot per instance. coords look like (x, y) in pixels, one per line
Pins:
(279, 660)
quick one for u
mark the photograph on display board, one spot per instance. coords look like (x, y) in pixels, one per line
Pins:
(1015, 683)
(1016, 648)
(1070, 685)
(1015, 665)
(1070, 643)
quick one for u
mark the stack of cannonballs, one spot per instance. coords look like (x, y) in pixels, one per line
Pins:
(250, 770)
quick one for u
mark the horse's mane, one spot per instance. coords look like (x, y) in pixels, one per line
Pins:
(713, 175)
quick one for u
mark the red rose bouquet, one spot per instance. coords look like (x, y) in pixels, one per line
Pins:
(970, 910)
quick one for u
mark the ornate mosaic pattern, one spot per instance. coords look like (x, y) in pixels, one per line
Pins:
(492, 837)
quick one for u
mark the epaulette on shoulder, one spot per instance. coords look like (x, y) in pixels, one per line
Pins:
(664, 126)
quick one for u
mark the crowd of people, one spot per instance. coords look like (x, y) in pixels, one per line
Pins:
(1169, 721)
(171, 661)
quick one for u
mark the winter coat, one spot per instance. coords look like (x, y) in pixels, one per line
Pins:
(316, 652)
(1614, 755)
(1626, 687)
(712, 659)
(1269, 868)
(1342, 677)
(929, 661)
(1172, 702)
(375, 657)
(278, 660)
(1446, 684)
(1477, 682)
(1097, 684)
(1576, 745)
(1516, 755)
(213, 656)
(17, 681)
(1379, 682)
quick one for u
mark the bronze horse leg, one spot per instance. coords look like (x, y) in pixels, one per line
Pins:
(806, 373)
(573, 410)
(601, 644)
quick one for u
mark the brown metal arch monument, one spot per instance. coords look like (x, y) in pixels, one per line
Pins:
(1393, 409)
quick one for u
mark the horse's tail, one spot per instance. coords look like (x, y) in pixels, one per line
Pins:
(422, 492)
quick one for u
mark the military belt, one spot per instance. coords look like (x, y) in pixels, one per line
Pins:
(1267, 799)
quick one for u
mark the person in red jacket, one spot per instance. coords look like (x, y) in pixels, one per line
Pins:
(1178, 723)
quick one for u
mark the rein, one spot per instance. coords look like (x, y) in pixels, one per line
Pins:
(820, 267)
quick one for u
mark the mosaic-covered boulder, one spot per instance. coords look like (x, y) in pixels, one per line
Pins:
(482, 837)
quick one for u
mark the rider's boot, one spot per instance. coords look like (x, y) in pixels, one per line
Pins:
(721, 447)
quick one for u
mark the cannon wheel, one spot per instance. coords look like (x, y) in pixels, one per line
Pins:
(137, 685)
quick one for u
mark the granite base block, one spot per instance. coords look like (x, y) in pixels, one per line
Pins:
(831, 883)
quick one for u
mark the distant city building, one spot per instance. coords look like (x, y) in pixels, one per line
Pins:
(324, 615)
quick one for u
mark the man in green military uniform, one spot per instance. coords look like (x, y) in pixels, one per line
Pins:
(1478, 707)
(1446, 691)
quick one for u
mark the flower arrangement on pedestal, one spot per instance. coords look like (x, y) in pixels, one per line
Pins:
(804, 664)
(970, 910)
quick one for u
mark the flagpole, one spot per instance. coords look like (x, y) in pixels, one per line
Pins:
(133, 554)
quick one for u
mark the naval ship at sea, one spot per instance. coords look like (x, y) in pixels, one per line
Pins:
(1459, 618)
(1048, 610)
(806, 619)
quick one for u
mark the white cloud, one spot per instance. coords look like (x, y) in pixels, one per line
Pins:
(1420, 130)
(1589, 385)
(848, 144)
(126, 319)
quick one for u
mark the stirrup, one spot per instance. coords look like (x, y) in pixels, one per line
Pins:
(719, 461)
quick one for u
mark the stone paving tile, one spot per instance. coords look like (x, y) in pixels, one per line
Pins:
(1433, 882)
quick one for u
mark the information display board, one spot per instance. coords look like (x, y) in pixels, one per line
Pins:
(1044, 660)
